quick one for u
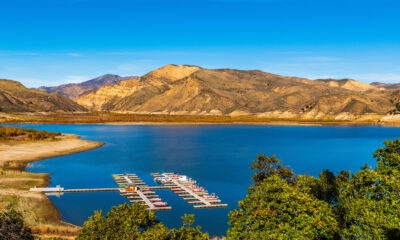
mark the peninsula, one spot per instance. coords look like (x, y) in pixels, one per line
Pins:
(18, 151)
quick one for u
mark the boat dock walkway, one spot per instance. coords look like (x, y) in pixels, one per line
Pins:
(189, 191)
(136, 190)
(59, 189)
(143, 194)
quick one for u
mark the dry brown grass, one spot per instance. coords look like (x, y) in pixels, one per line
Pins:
(36, 208)
(111, 117)
(47, 231)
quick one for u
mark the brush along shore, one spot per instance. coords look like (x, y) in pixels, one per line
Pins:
(36, 208)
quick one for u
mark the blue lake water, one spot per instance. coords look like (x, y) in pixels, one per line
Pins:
(217, 156)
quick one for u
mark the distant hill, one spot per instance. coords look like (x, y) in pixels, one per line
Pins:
(348, 84)
(386, 85)
(191, 90)
(74, 90)
(15, 97)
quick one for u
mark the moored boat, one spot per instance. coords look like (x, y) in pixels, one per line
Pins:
(160, 204)
(156, 200)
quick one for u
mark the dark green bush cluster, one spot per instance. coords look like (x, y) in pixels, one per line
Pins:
(12, 226)
(14, 133)
(127, 222)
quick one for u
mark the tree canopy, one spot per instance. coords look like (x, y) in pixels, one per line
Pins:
(281, 205)
(136, 222)
(275, 209)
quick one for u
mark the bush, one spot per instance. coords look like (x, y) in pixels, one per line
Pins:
(136, 222)
(13, 133)
(12, 226)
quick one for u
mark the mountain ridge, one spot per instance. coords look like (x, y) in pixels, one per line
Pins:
(386, 85)
(192, 90)
(74, 90)
(15, 97)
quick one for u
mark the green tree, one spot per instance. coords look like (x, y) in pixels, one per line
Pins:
(266, 166)
(328, 186)
(124, 222)
(94, 228)
(370, 206)
(136, 222)
(388, 158)
(277, 209)
(12, 226)
(186, 232)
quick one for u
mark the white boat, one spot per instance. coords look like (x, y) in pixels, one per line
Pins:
(160, 204)
(162, 180)
(156, 200)
(210, 197)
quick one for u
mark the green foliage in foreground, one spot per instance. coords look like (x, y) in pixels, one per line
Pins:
(281, 205)
(135, 222)
(275, 209)
(12, 226)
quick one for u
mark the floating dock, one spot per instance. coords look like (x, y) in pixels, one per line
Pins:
(140, 192)
(136, 190)
(189, 191)
(59, 189)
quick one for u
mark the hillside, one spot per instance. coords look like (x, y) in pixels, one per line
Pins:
(191, 90)
(386, 85)
(15, 97)
(74, 90)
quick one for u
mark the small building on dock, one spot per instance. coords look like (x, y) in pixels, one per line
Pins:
(131, 188)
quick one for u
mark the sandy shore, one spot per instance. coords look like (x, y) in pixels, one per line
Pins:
(36, 208)
(34, 151)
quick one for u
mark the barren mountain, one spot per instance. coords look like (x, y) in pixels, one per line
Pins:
(386, 85)
(15, 97)
(348, 84)
(196, 91)
(74, 90)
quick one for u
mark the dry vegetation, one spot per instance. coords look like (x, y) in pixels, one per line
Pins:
(23, 134)
(111, 117)
(20, 146)
(37, 210)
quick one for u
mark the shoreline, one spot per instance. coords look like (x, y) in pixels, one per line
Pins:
(272, 123)
(114, 118)
(37, 209)
(267, 123)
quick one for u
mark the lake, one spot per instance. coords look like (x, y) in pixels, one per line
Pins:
(217, 156)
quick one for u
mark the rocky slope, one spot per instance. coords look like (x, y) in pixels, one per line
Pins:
(15, 97)
(196, 91)
(74, 90)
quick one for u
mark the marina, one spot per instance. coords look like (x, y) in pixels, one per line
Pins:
(189, 190)
(133, 188)
(136, 190)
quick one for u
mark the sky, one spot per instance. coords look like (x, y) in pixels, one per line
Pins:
(52, 42)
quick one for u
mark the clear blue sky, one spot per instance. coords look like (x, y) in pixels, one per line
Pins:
(48, 42)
